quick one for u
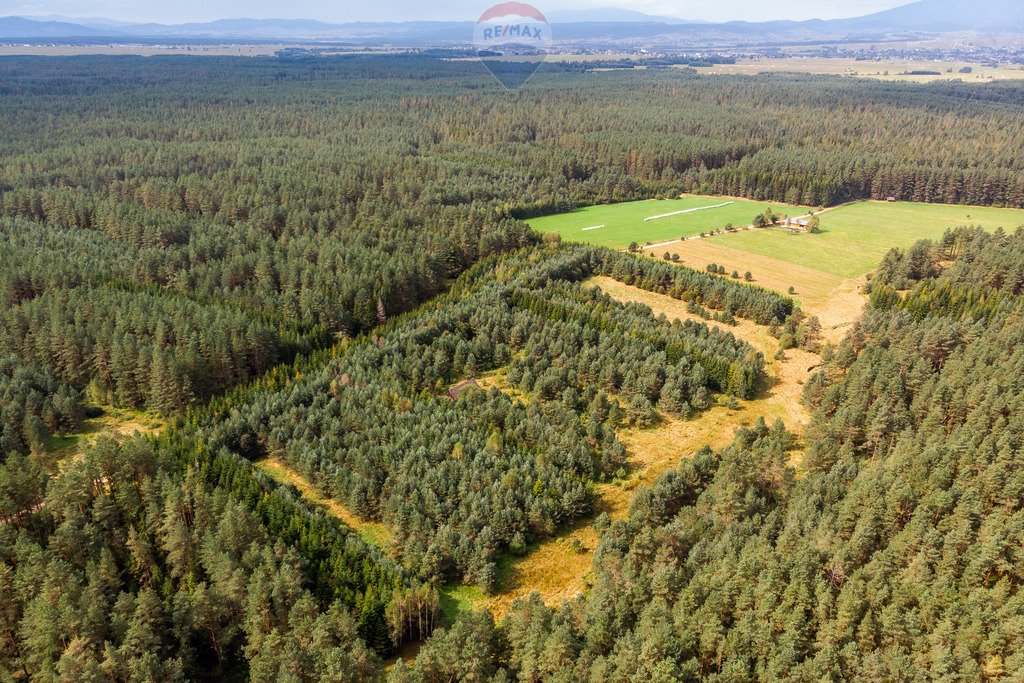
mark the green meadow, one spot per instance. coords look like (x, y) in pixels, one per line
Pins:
(617, 225)
(852, 241)
(855, 238)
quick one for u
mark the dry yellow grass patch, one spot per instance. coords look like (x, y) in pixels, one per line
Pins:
(498, 379)
(835, 300)
(374, 533)
(654, 451)
(812, 286)
(553, 568)
(840, 309)
(882, 69)
(117, 422)
(114, 423)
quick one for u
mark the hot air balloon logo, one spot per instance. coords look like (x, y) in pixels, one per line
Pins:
(512, 39)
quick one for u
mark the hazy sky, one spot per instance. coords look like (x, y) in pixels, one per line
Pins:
(398, 10)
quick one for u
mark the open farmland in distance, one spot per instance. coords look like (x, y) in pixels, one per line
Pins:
(826, 270)
(913, 70)
(617, 225)
(855, 237)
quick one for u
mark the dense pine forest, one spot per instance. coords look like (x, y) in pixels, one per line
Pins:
(896, 556)
(34, 405)
(460, 481)
(322, 261)
(294, 199)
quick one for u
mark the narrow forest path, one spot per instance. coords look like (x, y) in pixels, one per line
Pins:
(374, 533)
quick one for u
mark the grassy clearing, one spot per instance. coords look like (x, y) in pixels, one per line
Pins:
(458, 599)
(557, 568)
(113, 423)
(827, 270)
(374, 533)
(498, 379)
(624, 223)
(883, 69)
(837, 301)
(856, 237)
(781, 398)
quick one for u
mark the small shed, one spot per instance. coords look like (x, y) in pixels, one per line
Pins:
(457, 390)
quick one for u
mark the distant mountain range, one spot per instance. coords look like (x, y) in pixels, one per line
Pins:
(946, 16)
(609, 24)
(20, 27)
(611, 15)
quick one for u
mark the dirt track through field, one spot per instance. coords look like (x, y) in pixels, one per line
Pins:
(659, 245)
(835, 300)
